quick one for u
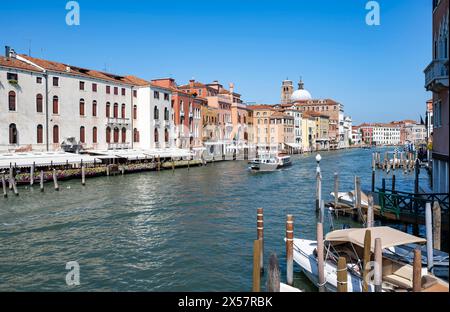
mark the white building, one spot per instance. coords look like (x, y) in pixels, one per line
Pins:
(356, 136)
(153, 127)
(386, 134)
(415, 133)
(347, 129)
(43, 103)
(297, 125)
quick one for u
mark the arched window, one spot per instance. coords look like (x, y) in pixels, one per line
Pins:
(108, 109)
(81, 107)
(116, 110)
(166, 135)
(55, 105)
(94, 108)
(166, 114)
(108, 135)
(116, 135)
(39, 106)
(82, 135)
(124, 135)
(12, 100)
(123, 111)
(39, 133)
(94, 135)
(55, 134)
(156, 113)
(135, 135)
(135, 112)
(156, 136)
(13, 134)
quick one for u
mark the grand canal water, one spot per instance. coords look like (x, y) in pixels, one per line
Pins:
(163, 231)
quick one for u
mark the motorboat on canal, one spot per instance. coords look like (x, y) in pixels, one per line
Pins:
(348, 198)
(397, 276)
(269, 162)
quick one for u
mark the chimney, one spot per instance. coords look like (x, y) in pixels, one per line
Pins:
(231, 88)
(191, 83)
(7, 51)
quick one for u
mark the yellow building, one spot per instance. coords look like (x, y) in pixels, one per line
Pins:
(261, 125)
(282, 133)
(309, 133)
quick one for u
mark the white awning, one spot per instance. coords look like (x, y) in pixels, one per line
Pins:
(43, 159)
(389, 237)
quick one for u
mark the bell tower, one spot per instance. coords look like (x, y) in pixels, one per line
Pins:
(287, 87)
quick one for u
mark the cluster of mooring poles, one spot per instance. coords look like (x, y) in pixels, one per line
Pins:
(372, 255)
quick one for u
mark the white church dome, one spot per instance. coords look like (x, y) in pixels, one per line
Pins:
(301, 94)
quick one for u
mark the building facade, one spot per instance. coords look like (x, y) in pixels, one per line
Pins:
(436, 81)
(50, 102)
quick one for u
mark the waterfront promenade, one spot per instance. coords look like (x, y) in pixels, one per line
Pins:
(167, 231)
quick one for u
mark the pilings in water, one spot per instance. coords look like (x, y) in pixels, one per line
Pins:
(290, 249)
(273, 274)
(378, 270)
(320, 258)
(55, 180)
(256, 265)
(417, 270)
(5, 191)
(260, 234)
(14, 186)
(342, 275)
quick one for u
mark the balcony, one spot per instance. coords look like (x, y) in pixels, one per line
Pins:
(122, 122)
(181, 113)
(116, 146)
(436, 76)
(191, 115)
(157, 123)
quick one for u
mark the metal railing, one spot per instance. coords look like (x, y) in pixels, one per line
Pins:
(409, 203)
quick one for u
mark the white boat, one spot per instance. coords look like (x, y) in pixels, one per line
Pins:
(349, 243)
(268, 162)
(348, 198)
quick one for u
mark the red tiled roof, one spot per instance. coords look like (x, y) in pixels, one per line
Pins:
(15, 63)
(261, 107)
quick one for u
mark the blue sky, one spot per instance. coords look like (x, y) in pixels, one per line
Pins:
(376, 72)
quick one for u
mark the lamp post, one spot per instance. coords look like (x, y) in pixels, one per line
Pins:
(318, 185)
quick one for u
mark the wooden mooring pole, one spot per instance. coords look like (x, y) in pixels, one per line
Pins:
(260, 234)
(55, 180)
(83, 175)
(318, 183)
(320, 259)
(342, 275)
(366, 260)
(436, 226)
(358, 197)
(370, 213)
(378, 270)
(417, 270)
(336, 189)
(429, 236)
(41, 181)
(393, 183)
(256, 268)
(32, 174)
(373, 180)
(14, 186)
(5, 191)
(273, 275)
(290, 249)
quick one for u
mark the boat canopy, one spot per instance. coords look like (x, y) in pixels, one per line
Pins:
(389, 237)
